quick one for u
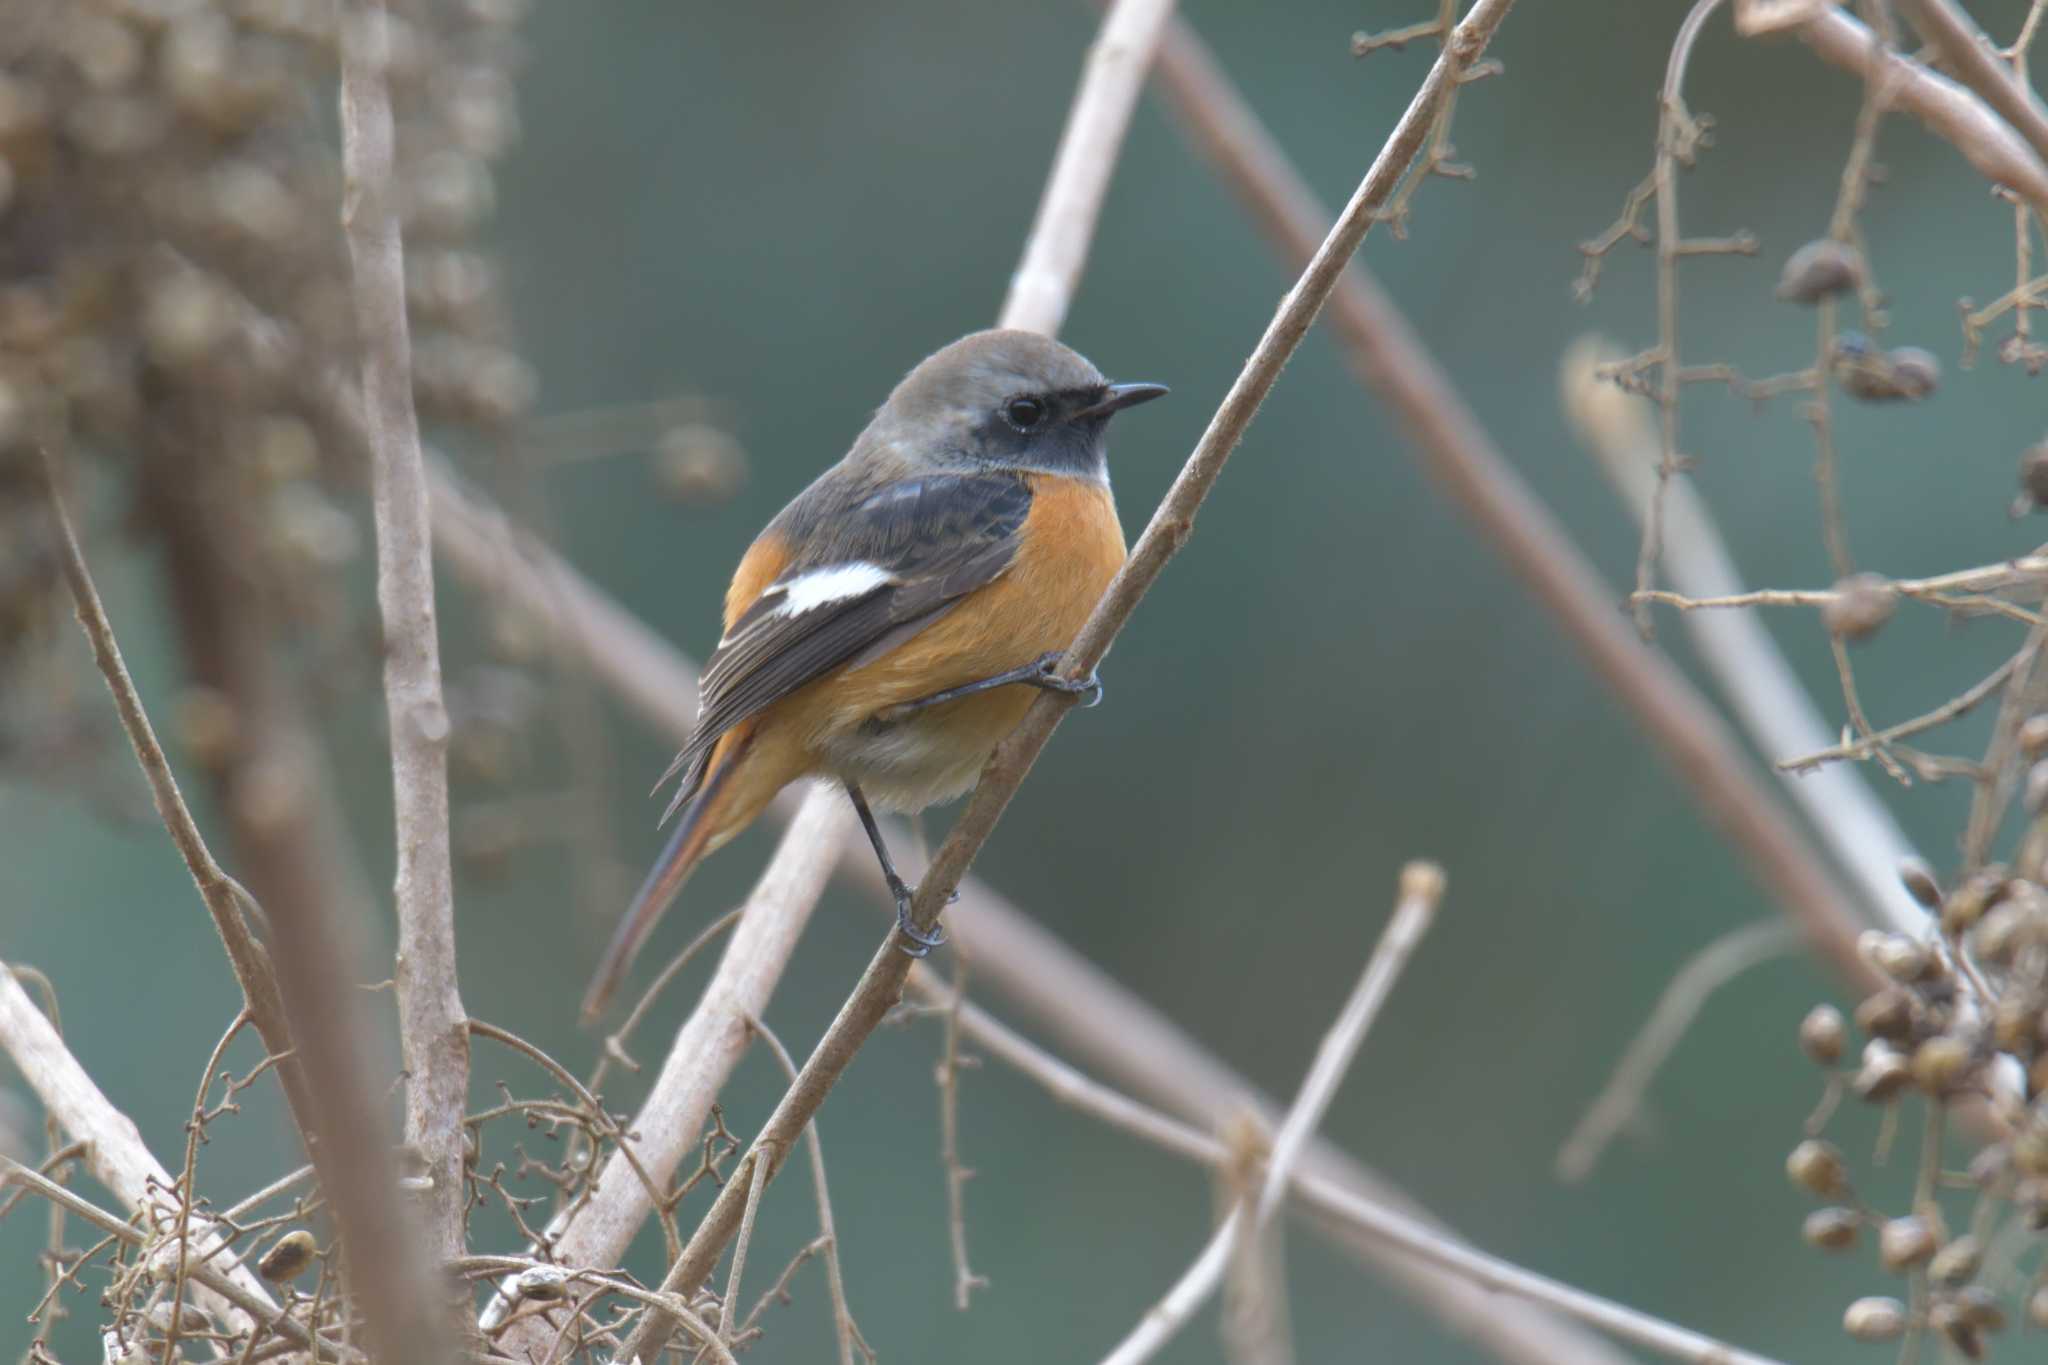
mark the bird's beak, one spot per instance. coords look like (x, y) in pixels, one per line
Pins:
(1121, 396)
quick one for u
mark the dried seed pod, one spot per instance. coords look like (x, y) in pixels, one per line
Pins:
(1966, 904)
(1952, 1324)
(1831, 1229)
(2033, 481)
(1818, 1166)
(1918, 879)
(1981, 1309)
(2037, 1307)
(541, 1284)
(1903, 1243)
(1898, 957)
(1888, 1015)
(1883, 1075)
(1819, 270)
(1875, 1319)
(1877, 376)
(1941, 1063)
(1822, 1034)
(1957, 1263)
(288, 1257)
(2030, 1149)
(1860, 607)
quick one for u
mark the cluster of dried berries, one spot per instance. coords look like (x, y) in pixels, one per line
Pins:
(1961, 1023)
(175, 306)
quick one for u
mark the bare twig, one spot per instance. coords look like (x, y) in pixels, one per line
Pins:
(1753, 673)
(708, 1046)
(1421, 891)
(1057, 249)
(433, 1029)
(1391, 362)
(1949, 110)
(759, 1161)
(1963, 46)
(246, 956)
(845, 1330)
(1335, 1205)
(115, 1153)
(1620, 1102)
(947, 1077)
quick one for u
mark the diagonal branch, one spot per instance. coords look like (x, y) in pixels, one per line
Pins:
(1392, 362)
(1963, 46)
(882, 984)
(1422, 889)
(1949, 110)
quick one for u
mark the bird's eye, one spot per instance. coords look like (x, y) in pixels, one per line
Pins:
(1024, 413)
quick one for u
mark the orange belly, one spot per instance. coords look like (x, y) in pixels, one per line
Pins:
(1071, 546)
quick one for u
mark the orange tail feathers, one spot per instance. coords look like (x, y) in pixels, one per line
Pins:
(693, 832)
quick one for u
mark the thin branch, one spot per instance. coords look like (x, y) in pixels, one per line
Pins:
(707, 1047)
(1949, 110)
(1620, 1102)
(432, 1026)
(115, 1153)
(1761, 686)
(947, 1078)
(246, 956)
(760, 1159)
(1057, 248)
(845, 1330)
(1391, 362)
(1169, 528)
(1337, 1206)
(1963, 46)
(1422, 889)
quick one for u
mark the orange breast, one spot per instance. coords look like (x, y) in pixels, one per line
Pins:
(1070, 547)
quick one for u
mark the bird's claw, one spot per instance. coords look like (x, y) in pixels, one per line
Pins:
(1086, 691)
(921, 942)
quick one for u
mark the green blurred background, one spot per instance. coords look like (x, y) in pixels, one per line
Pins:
(781, 207)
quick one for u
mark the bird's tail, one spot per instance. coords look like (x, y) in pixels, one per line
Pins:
(693, 833)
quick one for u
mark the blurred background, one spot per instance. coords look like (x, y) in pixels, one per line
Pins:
(769, 212)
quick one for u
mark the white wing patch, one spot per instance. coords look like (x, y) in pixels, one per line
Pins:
(833, 583)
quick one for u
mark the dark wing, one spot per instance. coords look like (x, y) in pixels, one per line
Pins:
(864, 580)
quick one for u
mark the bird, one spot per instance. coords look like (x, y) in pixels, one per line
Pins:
(892, 624)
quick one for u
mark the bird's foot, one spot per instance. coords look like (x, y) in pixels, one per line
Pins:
(921, 942)
(1085, 691)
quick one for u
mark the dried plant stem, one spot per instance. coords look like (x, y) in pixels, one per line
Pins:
(433, 1028)
(1057, 248)
(1421, 891)
(117, 1158)
(1169, 528)
(1496, 1284)
(1621, 1102)
(759, 1161)
(1393, 364)
(218, 891)
(301, 1000)
(1677, 133)
(1949, 110)
(845, 1330)
(1753, 674)
(957, 1173)
(1963, 46)
(708, 1046)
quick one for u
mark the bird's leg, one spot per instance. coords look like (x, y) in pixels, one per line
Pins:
(1041, 672)
(920, 941)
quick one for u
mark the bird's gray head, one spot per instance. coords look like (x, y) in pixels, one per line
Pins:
(1004, 399)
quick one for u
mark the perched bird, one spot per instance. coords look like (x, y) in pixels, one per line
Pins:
(888, 627)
